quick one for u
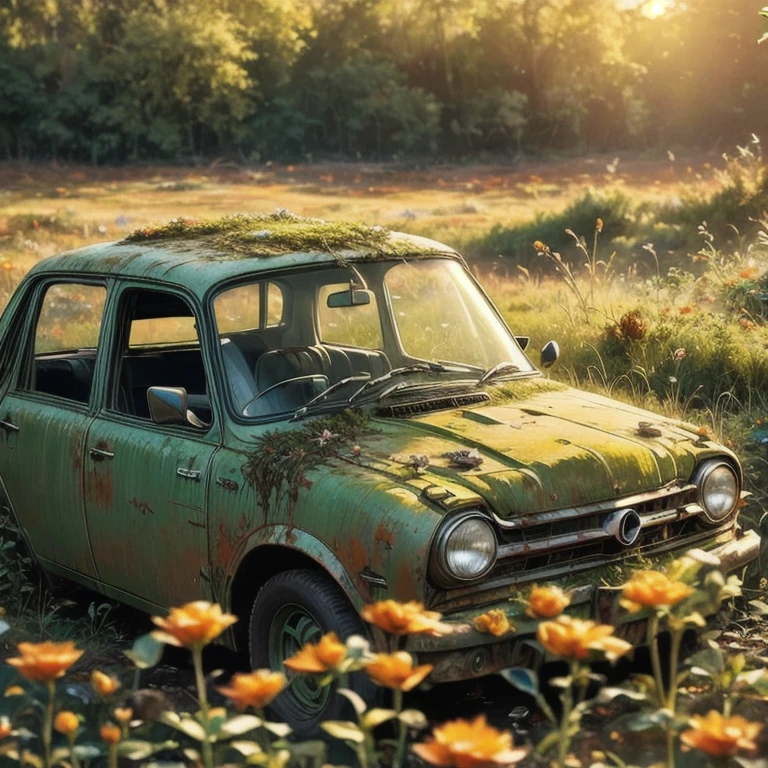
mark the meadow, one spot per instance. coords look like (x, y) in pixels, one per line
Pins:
(650, 273)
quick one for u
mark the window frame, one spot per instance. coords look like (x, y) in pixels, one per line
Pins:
(20, 377)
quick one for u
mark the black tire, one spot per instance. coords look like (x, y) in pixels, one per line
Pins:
(319, 597)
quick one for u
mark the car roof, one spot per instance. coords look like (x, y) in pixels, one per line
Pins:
(199, 254)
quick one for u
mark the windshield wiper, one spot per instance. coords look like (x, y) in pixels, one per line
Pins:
(302, 412)
(427, 367)
(500, 369)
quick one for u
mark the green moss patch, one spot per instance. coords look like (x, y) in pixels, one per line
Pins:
(278, 233)
(523, 389)
(277, 467)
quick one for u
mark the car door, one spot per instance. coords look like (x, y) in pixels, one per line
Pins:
(145, 483)
(45, 414)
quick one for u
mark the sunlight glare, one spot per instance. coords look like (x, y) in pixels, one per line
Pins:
(655, 8)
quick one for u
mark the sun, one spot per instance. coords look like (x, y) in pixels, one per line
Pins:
(655, 8)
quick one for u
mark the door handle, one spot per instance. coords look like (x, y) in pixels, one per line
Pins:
(97, 454)
(8, 426)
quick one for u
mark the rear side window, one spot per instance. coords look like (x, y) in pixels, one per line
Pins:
(65, 340)
(251, 307)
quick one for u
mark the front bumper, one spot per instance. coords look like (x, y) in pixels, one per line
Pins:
(464, 653)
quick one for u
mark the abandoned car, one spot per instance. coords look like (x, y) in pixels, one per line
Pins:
(295, 418)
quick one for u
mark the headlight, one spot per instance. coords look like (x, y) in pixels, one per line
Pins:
(466, 549)
(719, 489)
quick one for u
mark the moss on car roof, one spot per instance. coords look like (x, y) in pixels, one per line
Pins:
(282, 232)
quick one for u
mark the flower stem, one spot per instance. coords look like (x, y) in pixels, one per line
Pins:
(674, 659)
(112, 756)
(564, 740)
(72, 755)
(402, 730)
(197, 659)
(48, 724)
(653, 645)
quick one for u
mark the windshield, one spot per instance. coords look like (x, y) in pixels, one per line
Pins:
(325, 337)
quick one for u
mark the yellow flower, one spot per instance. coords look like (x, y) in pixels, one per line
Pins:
(539, 246)
(599, 225)
(652, 589)
(719, 736)
(572, 638)
(66, 722)
(255, 689)
(14, 690)
(396, 670)
(494, 622)
(469, 744)
(123, 715)
(323, 656)
(110, 733)
(105, 685)
(547, 602)
(45, 662)
(193, 625)
(403, 618)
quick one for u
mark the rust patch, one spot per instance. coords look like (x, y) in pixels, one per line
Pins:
(385, 536)
(142, 506)
(102, 485)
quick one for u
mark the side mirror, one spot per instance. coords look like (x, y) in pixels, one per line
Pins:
(354, 297)
(168, 405)
(549, 354)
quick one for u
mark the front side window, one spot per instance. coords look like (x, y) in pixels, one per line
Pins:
(66, 337)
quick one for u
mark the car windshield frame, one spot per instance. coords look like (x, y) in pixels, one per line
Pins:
(455, 373)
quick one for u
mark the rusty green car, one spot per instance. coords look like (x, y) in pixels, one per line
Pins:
(295, 417)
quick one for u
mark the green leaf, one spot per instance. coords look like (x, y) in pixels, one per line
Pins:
(343, 729)
(239, 725)
(184, 723)
(90, 751)
(710, 659)
(4, 626)
(375, 717)
(755, 680)
(146, 652)
(609, 694)
(413, 718)
(135, 749)
(525, 680)
(759, 606)
(247, 748)
(281, 730)
(355, 699)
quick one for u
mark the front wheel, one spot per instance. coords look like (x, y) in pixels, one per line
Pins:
(290, 610)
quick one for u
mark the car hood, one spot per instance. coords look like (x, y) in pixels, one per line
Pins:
(555, 449)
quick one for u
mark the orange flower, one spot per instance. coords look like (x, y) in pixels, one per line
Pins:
(686, 310)
(45, 662)
(123, 715)
(719, 736)
(323, 656)
(256, 689)
(105, 685)
(547, 602)
(110, 733)
(599, 225)
(193, 625)
(539, 246)
(469, 744)
(5, 727)
(748, 274)
(66, 722)
(396, 670)
(495, 622)
(573, 638)
(14, 690)
(652, 589)
(403, 618)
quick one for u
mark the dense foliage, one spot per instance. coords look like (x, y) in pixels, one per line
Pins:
(120, 80)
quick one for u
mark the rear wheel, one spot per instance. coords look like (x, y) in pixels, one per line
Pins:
(290, 610)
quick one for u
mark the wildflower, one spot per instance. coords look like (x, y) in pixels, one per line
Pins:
(748, 274)
(5, 727)
(686, 310)
(324, 656)
(653, 589)
(680, 354)
(576, 638)
(396, 670)
(45, 662)
(719, 736)
(494, 622)
(747, 324)
(599, 225)
(123, 715)
(403, 618)
(14, 690)
(539, 246)
(546, 602)
(255, 689)
(470, 744)
(105, 685)
(66, 722)
(110, 733)
(193, 625)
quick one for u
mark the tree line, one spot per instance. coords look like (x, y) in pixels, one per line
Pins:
(106, 81)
